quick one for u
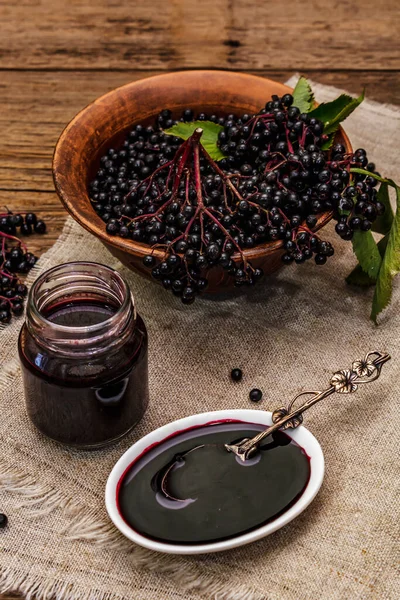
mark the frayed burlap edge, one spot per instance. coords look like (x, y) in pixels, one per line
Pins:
(11, 581)
(38, 499)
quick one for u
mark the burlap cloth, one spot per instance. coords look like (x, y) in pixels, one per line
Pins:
(289, 332)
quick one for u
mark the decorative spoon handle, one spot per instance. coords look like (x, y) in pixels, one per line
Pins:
(342, 382)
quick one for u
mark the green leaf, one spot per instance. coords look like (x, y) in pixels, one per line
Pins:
(208, 139)
(328, 111)
(358, 276)
(366, 250)
(333, 113)
(384, 222)
(303, 96)
(390, 264)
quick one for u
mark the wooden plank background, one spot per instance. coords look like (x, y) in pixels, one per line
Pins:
(57, 56)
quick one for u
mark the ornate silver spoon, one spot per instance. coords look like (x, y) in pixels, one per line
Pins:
(343, 382)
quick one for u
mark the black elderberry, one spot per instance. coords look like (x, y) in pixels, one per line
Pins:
(177, 285)
(287, 258)
(167, 283)
(370, 212)
(5, 316)
(311, 221)
(17, 220)
(258, 274)
(30, 219)
(173, 261)
(149, 261)
(23, 267)
(112, 228)
(17, 308)
(181, 246)
(224, 260)
(202, 284)
(26, 229)
(213, 252)
(346, 204)
(236, 374)
(355, 223)
(341, 228)
(255, 395)
(188, 295)
(320, 259)
(287, 100)
(299, 257)
(124, 231)
(21, 289)
(295, 220)
(366, 225)
(15, 255)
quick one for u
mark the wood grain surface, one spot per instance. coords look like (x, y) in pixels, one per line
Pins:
(56, 57)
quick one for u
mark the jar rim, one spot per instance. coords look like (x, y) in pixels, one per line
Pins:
(90, 330)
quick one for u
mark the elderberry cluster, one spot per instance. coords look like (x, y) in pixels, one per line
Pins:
(15, 259)
(24, 224)
(12, 294)
(195, 214)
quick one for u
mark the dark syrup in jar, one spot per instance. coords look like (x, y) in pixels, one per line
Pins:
(223, 498)
(88, 401)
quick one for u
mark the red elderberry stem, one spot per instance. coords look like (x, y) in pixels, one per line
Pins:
(15, 239)
(222, 174)
(289, 143)
(4, 274)
(197, 176)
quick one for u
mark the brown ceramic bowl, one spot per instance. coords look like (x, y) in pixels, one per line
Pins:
(104, 123)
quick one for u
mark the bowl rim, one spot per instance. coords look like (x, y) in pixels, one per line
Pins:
(301, 435)
(68, 195)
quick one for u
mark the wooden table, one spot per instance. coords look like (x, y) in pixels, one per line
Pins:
(57, 56)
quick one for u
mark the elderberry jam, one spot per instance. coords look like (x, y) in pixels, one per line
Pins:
(83, 350)
(210, 495)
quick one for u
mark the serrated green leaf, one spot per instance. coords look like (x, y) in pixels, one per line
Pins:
(390, 266)
(366, 250)
(384, 222)
(303, 96)
(209, 138)
(333, 113)
(358, 276)
(327, 111)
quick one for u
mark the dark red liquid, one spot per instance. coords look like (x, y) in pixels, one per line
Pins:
(223, 497)
(79, 314)
(87, 401)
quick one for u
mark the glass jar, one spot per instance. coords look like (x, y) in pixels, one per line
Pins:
(83, 350)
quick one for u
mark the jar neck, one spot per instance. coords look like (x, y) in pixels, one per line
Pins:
(80, 309)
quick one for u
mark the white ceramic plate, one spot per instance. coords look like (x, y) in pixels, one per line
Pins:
(301, 435)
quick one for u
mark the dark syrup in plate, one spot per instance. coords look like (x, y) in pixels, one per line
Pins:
(222, 497)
